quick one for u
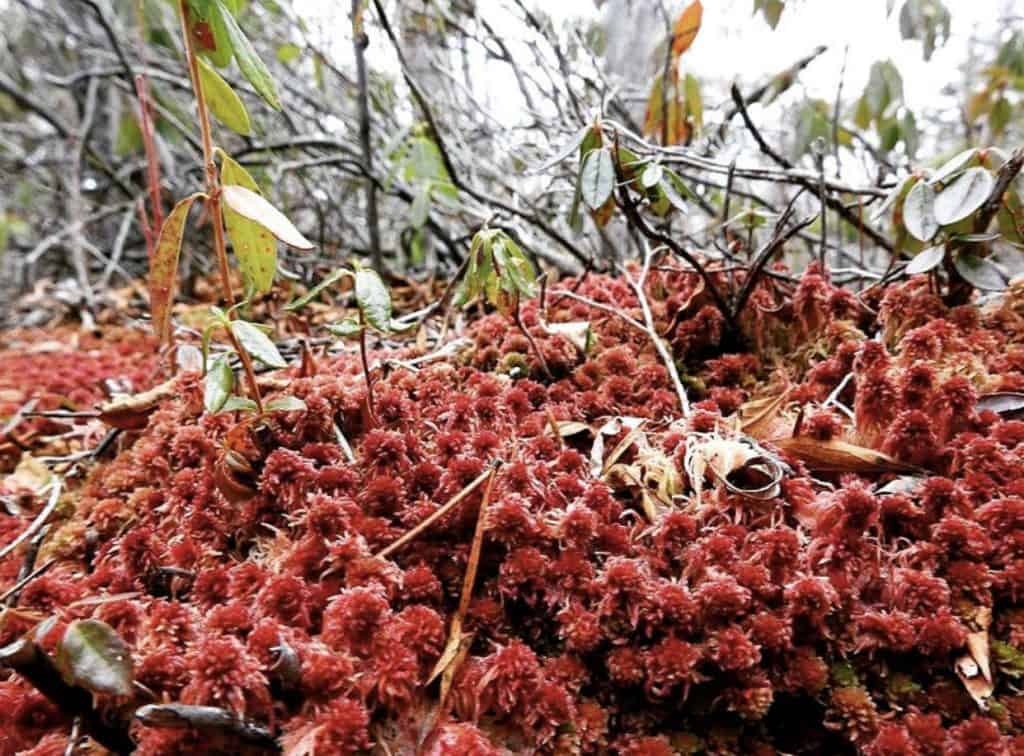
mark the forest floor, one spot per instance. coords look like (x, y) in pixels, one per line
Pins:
(823, 552)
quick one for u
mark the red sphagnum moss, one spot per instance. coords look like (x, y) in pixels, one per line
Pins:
(826, 618)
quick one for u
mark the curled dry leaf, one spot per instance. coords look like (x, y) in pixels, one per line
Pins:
(1008, 404)
(576, 333)
(131, 412)
(725, 457)
(163, 267)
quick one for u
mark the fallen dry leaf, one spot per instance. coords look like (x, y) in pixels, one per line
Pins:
(131, 412)
(839, 456)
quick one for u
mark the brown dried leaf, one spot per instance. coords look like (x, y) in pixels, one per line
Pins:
(975, 670)
(839, 456)
(131, 412)
(758, 415)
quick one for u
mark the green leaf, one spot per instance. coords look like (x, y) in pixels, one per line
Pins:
(419, 210)
(373, 298)
(694, 101)
(565, 152)
(129, 136)
(163, 268)
(925, 261)
(248, 61)
(672, 195)
(218, 384)
(963, 196)
(251, 205)
(223, 100)
(239, 404)
(519, 268)
(954, 166)
(257, 343)
(652, 175)
(979, 272)
(285, 404)
(1011, 217)
(91, 654)
(222, 53)
(1000, 116)
(288, 52)
(254, 246)
(890, 199)
(348, 328)
(597, 179)
(919, 212)
(313, 293)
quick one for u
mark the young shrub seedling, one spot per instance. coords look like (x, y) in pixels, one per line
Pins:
(373, 300)
(500, 272)
(212, 38)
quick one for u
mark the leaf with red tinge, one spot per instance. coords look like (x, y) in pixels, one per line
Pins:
(247, 203)
(163, 268)
(686, 28)
(254, 246)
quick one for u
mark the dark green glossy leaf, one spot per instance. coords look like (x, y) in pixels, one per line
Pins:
(954, 166)
(652, 175)
(919, 212)
(239, 404)
(565, 152)
(91, 654)
(963, 196)
(348, 328)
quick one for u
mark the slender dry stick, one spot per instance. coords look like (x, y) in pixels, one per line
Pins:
(366, 369)
(477, 546)
(450, 656)
(533, 344)
(441, 512)
(152, 158)
(359, 44)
